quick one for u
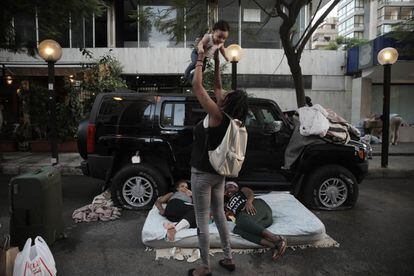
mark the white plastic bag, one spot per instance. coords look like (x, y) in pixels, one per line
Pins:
(36, 260)
(313, 121)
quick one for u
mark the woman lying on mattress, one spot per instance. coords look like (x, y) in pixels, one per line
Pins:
(179, 209)
(252, 217)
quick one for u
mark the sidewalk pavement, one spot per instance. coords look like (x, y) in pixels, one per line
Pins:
(402, 149)
(401, 162)
(14, 163)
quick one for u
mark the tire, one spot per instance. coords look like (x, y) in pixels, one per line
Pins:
(136, 187)
(331, 187)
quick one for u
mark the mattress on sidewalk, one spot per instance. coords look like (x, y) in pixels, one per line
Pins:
(290, 218)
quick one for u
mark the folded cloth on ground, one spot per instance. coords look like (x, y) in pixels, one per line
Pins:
(102, 208)
(290, 218)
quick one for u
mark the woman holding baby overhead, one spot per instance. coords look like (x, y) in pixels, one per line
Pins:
(207, 185)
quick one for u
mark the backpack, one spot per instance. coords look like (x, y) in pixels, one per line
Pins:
(227, 159)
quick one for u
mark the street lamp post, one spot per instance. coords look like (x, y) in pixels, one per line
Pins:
(50, 51)
(234, 52)
(386, 57)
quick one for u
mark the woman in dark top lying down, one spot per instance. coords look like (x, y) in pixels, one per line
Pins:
(252, 216)
(179, 209)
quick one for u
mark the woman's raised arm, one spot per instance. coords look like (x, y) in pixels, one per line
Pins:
(202, 96)
(218, 87)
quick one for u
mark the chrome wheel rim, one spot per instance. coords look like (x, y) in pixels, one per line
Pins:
(137, 191)
(333, 192)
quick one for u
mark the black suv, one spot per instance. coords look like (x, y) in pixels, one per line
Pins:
(140, 143)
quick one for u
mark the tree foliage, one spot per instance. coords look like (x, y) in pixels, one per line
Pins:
(288, 11)
(332, 46)
(53, 16)
(404, 34)
(103, 75)
(208, 76)
(345, 43)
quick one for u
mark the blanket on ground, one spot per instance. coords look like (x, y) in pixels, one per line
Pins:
(102, 208)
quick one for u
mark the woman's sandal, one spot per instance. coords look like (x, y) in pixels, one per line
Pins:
(191, 273)
(229, 267)
(279, 248)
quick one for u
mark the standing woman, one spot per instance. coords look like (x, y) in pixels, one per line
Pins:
(207, 185)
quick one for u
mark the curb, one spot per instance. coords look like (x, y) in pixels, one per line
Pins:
(14, 169)
(394, 154)
(389, 173)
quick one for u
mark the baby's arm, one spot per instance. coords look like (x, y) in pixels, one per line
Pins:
(223, 52)
(203, 42)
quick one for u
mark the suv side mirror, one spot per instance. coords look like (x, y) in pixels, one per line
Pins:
(273, 127)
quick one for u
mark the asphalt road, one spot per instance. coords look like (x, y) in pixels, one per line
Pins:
(376, 238)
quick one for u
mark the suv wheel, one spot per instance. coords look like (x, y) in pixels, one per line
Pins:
(136, 187)
(331, 187)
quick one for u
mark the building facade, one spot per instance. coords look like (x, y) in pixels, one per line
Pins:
(154, 60)
(325, 33)
(369, 19)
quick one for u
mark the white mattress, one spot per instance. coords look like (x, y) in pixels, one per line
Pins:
(290, 218)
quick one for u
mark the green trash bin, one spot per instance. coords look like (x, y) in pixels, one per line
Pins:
(36, 206)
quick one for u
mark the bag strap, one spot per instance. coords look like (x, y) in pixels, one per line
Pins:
(6, 244)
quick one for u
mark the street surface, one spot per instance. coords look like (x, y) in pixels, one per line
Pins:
(376, 238)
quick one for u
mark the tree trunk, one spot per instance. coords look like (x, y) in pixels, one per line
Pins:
(212, 12)
(294, 63)
(298, 81)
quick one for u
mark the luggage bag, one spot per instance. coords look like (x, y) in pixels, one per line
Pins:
(36, 206)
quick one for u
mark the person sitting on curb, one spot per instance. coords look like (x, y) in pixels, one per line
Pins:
(179, 209)
(252, 217)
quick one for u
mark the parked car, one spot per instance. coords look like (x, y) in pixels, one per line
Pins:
(140, 143)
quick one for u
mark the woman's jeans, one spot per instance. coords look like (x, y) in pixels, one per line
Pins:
(208, 191)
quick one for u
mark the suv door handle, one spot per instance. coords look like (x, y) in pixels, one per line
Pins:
(168, 132)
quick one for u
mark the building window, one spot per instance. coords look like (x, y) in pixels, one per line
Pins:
(155, 30)
(358, 21)
(407, 13)
(195, 21)
(130, 28)
(359, 3)
(383, 29)
(395, 13)
(257, 29)
(63, 28)
(25, 27)
(101, 33)
(327, 38)
(359, 34)
(229, 10)
(81, 29)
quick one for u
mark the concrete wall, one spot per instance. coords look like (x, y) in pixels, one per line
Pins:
(326, 68)
(339, 101)
(175, 60)
(402, 101)
(360, 99)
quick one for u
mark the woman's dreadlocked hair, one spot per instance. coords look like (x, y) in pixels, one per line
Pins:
(236, 105)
